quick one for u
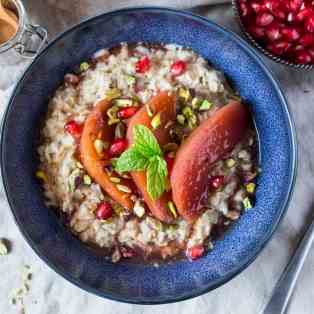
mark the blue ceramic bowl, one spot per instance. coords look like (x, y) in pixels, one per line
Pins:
(140, 283)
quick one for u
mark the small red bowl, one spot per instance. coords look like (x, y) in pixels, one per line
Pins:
(269, 54)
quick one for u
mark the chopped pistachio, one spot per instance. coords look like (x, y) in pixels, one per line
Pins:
(112, 114)
(79, 165)
(84, 66)
(181, 119)
(230, 162)
(139, 209)
(192, 121)
(149, 111)
(107, 221)
(172, 209)
(187, 111)
(184, 93)
(172, 228)
(124, 188)
(99, 146)
(205, 105)
(123, 102)
(171, 147)
(115, 179)
(113, 121)
(87, 179)
(3, 248)
(113, 93)
(156, 121)
(243, 154)
(196, 102)
(247, 203)
(210, 245)
(74, 179)
(118, 209)
(120, 130)
(250, 187)
(130, 79)
(41, 175)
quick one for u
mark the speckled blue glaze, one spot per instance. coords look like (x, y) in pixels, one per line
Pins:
(137, 283)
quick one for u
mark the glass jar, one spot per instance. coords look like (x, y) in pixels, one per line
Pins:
(29, 39)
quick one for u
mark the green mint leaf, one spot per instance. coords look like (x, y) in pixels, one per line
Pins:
(131, 160)
(156, 176)
(145, 141)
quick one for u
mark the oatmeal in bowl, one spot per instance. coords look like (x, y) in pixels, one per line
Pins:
(148, 152)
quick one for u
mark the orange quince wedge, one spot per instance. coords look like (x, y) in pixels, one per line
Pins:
(163, 104)
(96, 127)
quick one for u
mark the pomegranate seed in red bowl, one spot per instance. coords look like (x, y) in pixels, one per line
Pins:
(282, 29)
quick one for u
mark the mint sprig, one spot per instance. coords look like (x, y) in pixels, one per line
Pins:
(145, 155)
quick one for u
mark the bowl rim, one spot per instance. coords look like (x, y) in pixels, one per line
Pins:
(293, 152)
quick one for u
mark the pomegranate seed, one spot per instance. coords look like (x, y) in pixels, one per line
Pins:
(142, 65)
(216, 182)
(279, 48)
(257, 32)
(291, 17)
(178, 67)
(307, 40)
(271, 5)
(170, 163)
(264, 19)
(309, 24)
(118, 146)
(294, 5)
(127, 252)
(303, 14)
(73, 128)
(290, 33)
(244, 9)
(104, 211)
(303, 57)
(279, 14)
(311, 53)
(273, 32)
(257, 7)
(127, 112)
(195, 252)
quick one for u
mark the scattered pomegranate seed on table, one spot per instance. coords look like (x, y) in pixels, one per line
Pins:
(118, 146)
(128, 112)
(73, 128)
(104, 211)
(283, 27)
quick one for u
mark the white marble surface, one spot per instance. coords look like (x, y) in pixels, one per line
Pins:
(248, 292)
